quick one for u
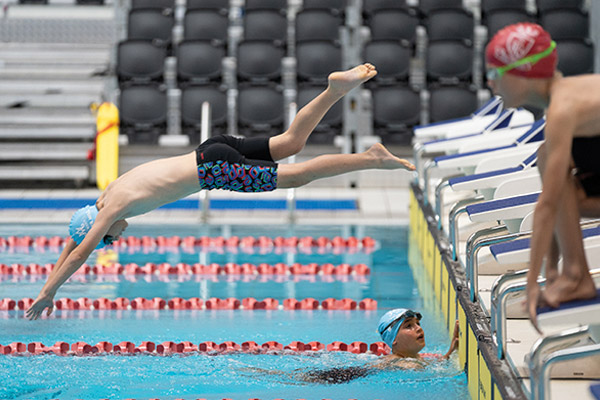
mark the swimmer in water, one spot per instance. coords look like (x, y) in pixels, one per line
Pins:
(221, 162)
(401, 330)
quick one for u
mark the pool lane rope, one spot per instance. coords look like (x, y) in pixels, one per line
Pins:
(168, 348)
(262, 242)
(194, 303)
(195, 269)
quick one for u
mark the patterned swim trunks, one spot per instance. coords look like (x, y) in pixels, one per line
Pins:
(236, 164)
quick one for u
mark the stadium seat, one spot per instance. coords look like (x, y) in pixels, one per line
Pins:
(192, 98)
(488, 6)
(448, 102)
(205, 25)
(150, 24)
(276, 5)
(394, 24)
(153, 4)
(449, 24)
(317, 25)
(547, 5)
(566, 24)
(449, 61)
(260, 110)
(427, 6)
(140, 61)
(221, 6)
(89, 2)
(575, 57)
(143, 113)
(316, 60)
(396, 109)
(330, 125)
(497, 20)
(338, 6)
(372, 6)
(259, 61)
(33, 1)
(199, 62)
(265, 25)
(392, 58)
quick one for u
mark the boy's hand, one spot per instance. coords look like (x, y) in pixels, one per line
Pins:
(454, 343)
(533, 294)
(38, 306)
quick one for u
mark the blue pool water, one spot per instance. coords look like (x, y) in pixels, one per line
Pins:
(235, 376)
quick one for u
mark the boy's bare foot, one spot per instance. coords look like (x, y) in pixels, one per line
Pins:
(341, 82)
(565, 289)
(387, 160)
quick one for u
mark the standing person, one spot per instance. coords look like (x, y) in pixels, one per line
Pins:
(221, 162)
(521, 67)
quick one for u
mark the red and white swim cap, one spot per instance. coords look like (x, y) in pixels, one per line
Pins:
(518, 41)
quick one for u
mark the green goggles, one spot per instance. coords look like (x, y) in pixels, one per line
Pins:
(496, 73)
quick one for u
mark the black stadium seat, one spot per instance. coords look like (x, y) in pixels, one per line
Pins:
(448, 102)
(316, 60)
(337, 6)
(260, 110)
(395, 110)
(450, 24)
(259, 61)
(205, 25)
(155, 4)
(150, 24)
(496, 5)
(449, 61)
(265, 25)
(372, 6)
(192, 99)
(140, 61)
(575, 57)
(317, 25)
(143, 113)
(392, 58)
(497, 20)
(394, 24)
(199, 62)
(427, 6)
(221, 6)
(547, 5)
(277, 5)
(566, 24)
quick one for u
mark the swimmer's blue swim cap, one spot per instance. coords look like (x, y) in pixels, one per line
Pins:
(386, 330)
(81, 223)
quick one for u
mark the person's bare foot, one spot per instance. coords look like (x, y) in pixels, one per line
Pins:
(564, 289)
(387, 160)
(341, 82)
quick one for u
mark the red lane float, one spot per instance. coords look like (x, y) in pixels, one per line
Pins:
(194, 303)
(261, 242)
(183, 269)
(167, 348)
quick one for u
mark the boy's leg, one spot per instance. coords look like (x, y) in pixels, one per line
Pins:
(293, 140)
(377, 157)
(575, 281)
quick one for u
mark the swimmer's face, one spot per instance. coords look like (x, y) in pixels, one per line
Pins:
(115, 231)
(410, 339)
(512, 88)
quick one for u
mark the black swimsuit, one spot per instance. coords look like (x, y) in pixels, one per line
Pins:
(237, 164)
(586, 155)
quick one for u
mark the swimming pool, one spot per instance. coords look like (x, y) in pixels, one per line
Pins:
(232, 375)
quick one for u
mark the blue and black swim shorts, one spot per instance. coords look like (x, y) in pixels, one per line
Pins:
(236, 164)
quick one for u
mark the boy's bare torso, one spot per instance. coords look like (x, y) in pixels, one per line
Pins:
(150, 185)
(579, 95)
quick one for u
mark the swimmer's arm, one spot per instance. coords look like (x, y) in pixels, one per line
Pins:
(453, 344)
(72, 261)
(560, 127)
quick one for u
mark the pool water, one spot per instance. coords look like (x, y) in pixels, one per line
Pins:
(236, 376)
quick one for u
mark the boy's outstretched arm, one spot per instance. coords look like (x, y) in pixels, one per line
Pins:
(454, 343)
(71, 258)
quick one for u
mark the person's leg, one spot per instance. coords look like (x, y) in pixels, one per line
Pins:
(293, 140)
(377, 157)
(574, 282)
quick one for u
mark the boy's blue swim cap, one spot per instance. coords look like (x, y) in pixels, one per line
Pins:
(388, 327)
(81, 223)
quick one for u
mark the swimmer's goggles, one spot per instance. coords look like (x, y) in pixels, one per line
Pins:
(401, 318)
(496, 73)
(108, 240)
